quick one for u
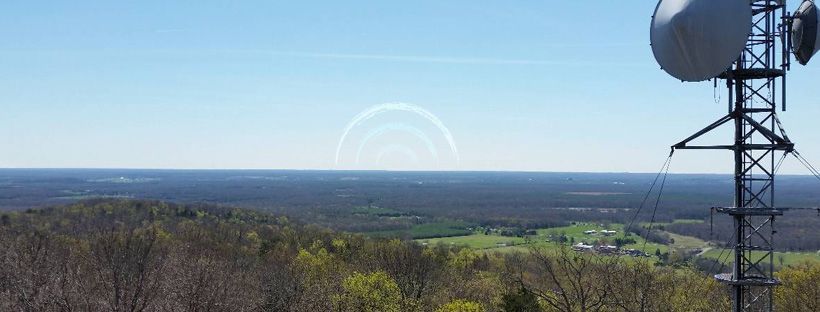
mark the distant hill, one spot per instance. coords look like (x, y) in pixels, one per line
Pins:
(90, 215)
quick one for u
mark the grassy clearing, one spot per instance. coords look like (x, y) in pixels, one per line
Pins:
(687, 242)
(429, 230)
(522, 248)
(687, 221)
(677, 221)
(476, 241)
(788, 258)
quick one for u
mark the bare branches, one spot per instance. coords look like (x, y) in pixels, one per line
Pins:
(569, 281)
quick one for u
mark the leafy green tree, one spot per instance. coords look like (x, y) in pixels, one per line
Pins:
(464, 259)
(520, 301)
(374, 292)
(314, 265)
(691, 291)
(461, 306)
(800, 289)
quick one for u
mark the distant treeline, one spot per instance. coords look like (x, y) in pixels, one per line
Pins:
(125, 255)
(334, 199)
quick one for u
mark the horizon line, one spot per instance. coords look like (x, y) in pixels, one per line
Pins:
(373, 170)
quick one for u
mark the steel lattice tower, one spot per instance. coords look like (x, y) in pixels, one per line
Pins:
(756, 83)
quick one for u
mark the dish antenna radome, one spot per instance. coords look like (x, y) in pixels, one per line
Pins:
(696, 40)
(805, 37)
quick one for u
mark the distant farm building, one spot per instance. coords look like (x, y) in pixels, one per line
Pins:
(582, 247)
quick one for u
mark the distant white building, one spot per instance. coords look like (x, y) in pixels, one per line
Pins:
(582, 247)
(635, 253)
(590, 232)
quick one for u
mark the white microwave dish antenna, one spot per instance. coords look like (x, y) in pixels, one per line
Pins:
(696, 40)
(805, 34)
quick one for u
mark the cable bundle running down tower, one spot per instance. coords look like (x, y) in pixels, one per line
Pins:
(747, 43)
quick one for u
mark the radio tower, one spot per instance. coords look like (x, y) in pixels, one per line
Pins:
(756, 83)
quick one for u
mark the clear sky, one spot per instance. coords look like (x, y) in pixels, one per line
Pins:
(519, 85)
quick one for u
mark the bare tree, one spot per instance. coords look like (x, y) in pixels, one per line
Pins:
(128, 265)
(28, 265)
(569, 281)
(413, 268)
(282, 284)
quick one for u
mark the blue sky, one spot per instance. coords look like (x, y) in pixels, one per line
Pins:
(522, 85)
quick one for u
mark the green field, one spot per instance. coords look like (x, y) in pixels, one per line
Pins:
(429, 230)
(475, 241)
(687, 221)
(574, 233)
(456, 234)
(789, 258)
(677, 221)
(687, 242)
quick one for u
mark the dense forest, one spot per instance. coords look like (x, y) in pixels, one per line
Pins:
(334, 199)
(137, 255)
